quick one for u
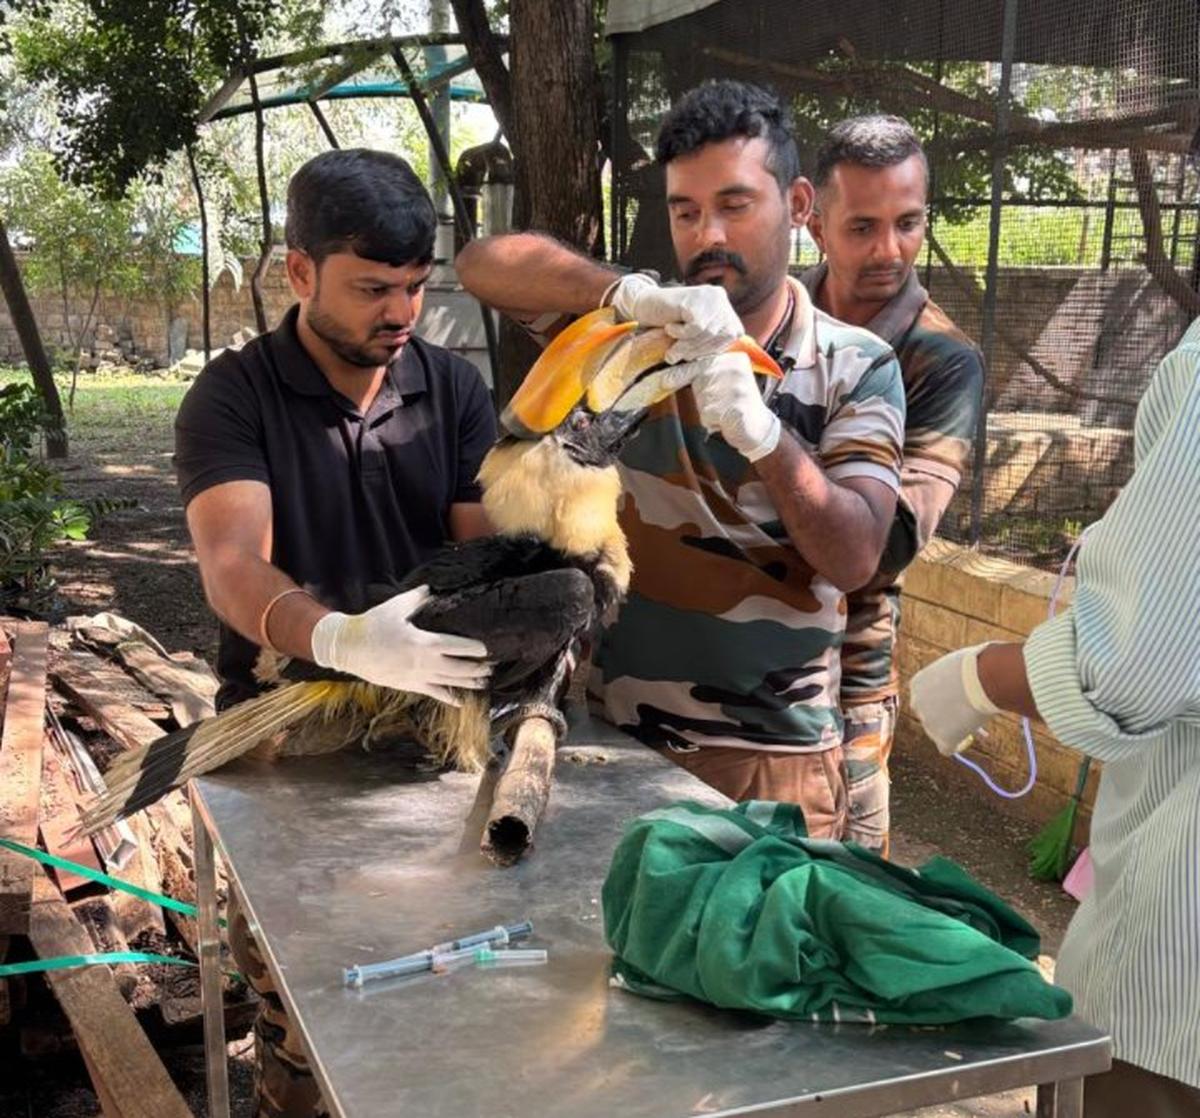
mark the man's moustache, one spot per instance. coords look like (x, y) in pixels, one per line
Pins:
(712, 259)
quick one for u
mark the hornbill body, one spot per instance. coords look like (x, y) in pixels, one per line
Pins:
(557, 563)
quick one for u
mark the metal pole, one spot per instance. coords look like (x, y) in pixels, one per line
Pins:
(439, 103)
(210, 966)
(205, 299)
(1063, 1099)
(324, 123)
(987, 339)
(618, 103)
(461, 216)
(1110, 209)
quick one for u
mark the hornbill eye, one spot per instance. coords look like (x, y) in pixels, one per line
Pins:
(580, 421)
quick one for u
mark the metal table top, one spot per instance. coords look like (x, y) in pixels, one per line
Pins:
(358, 857)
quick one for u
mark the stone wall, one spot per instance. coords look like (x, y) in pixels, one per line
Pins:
(954, 597)
(1042, 470)
(140, 329)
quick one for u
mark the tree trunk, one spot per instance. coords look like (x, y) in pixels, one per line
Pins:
(554, 137)
(546, 104)
(554, 110)
(21, 314)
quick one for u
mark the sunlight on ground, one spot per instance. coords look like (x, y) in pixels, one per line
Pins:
(143, 405)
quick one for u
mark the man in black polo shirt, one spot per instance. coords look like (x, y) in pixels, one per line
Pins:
(319, 465)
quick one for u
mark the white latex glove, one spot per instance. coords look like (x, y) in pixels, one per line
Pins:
(730, 401)
(950, 701)
(700, 319)
(384, 647)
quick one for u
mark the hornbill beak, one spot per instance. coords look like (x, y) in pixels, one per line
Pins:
(600, 362)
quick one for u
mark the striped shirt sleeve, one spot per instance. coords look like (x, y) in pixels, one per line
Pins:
(1111, 674)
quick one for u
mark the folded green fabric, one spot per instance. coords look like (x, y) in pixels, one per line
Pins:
(738, 907)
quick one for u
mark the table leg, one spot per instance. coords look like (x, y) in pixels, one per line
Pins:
(210, 970)
(1063, 1099)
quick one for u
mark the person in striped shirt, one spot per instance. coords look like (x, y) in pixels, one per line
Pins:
(1117, 676)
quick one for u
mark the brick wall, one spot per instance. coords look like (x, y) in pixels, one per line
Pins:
(1043, 469)
(955, 597)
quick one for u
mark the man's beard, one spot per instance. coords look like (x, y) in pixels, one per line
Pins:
(327, 328)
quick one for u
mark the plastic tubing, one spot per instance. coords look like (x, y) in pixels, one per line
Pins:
(1026, 725)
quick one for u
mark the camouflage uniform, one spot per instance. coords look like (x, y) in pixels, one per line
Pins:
(284, 1085)
(943, 384)
(729, 642)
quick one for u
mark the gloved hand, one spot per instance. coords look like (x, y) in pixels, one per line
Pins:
(950, 701)
(730, 401)
(384, 647)
(700, 319)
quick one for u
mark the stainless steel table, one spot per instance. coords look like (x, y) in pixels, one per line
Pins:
(358, 857)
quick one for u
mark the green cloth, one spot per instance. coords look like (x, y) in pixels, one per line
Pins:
(738, 907)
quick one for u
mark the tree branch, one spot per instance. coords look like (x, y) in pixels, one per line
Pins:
(905, 88)
(267, 243)
(486, 57)
(1158, 264)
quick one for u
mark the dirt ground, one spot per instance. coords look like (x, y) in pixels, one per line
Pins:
(138, 563)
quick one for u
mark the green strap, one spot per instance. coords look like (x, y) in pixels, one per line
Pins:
(104, 879)
(64, 962)
(1081, 777)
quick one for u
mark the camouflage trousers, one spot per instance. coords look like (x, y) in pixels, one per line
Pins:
(867, 744)
(284, 1084)
(815, 781)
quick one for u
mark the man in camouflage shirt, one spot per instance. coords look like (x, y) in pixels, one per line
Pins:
(750, 508)
(869, 220)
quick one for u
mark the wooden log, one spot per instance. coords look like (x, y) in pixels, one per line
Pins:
(21, 769)
(58, 821)
(98, 916)
(162, 864)
(135, 916)
(129, 1077)
(5, 996)
(521, 793)
(168, 824)
(87, 679)
(5, 658)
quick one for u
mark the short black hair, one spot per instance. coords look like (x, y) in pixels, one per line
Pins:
(877, 140)
(719, 110)
(362, 201)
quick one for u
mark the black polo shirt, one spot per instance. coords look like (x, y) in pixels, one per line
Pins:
(356, 499)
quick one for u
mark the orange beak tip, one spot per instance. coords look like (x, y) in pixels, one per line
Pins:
(760, 359)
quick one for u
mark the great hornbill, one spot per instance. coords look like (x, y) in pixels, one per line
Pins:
(557, 563)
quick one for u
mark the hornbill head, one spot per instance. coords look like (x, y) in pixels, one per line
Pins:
(594, 384)
(554, 476)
